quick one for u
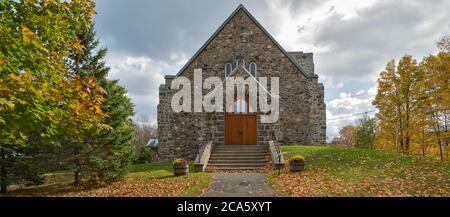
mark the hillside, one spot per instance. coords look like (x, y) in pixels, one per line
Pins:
(335, 171)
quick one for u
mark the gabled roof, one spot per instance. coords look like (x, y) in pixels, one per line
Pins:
(239, 8)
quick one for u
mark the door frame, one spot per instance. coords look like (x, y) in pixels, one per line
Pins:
(248, 113)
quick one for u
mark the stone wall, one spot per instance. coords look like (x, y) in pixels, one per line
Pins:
(302, 111)
(305, 60)
(317, 109)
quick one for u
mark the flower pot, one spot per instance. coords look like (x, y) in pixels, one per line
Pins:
(181, 170)
(297, 166)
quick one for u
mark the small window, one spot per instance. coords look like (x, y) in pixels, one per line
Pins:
(228, 68)
(253, 69)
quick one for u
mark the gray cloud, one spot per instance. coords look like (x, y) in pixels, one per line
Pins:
(159, 28)
(389, 29)
(296, 6)
(148, 39)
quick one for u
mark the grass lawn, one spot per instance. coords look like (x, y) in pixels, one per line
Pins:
(332, 171)
(143, 180)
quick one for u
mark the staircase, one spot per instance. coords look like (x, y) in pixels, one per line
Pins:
(238, 157)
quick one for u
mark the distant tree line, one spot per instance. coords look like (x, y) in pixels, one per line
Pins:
(362, 135)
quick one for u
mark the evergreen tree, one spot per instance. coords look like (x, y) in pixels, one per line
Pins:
(115, 146)
(104, 154)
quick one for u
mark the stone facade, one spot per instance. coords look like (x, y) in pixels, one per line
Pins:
(302, 108)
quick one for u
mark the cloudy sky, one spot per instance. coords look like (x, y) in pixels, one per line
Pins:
(352, 40)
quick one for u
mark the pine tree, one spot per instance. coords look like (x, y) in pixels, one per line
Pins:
(104, 154)
(115, 146)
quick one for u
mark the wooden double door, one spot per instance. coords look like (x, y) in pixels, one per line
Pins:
(240, 127)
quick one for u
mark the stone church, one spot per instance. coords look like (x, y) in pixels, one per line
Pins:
(241, 43)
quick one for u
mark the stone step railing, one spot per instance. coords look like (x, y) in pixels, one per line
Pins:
(277, 157)
(201, 161)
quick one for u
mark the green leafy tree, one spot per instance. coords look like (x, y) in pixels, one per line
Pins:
(366, 133)
(35, 92)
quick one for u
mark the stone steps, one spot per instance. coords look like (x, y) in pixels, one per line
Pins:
(234, 157)
(219, 161)
(210, 169)
(238, 157)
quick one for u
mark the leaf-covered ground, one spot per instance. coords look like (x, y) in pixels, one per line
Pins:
(143, 180)
(334, 171)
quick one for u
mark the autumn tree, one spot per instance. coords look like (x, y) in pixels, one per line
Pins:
(436, 69)
(413, 103)
(36, 95)
(398, 99)
(347, 136)
(389, 106)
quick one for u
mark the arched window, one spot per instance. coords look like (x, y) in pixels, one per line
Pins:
(253, 69)
(228, 69)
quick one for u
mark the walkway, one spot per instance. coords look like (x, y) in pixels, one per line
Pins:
(239, 185)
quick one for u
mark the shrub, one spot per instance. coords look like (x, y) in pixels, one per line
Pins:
(143, 155)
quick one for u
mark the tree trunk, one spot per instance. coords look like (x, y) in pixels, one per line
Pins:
(440, 149)
(3, 175)
(446, 130)
(77, 165)
(423, 142)
(407, 125)
(3, 185)
(437, 131)
(396, 138)
(402, 143)
(77, 177)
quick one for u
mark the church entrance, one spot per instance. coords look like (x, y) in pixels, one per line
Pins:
(240, 125)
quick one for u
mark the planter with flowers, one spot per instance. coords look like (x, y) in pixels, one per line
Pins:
(180, 167)
(297, 163)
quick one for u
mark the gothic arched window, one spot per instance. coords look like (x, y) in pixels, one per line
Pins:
(228, 69)
(253, 69)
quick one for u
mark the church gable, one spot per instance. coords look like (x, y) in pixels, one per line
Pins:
(242, 38)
